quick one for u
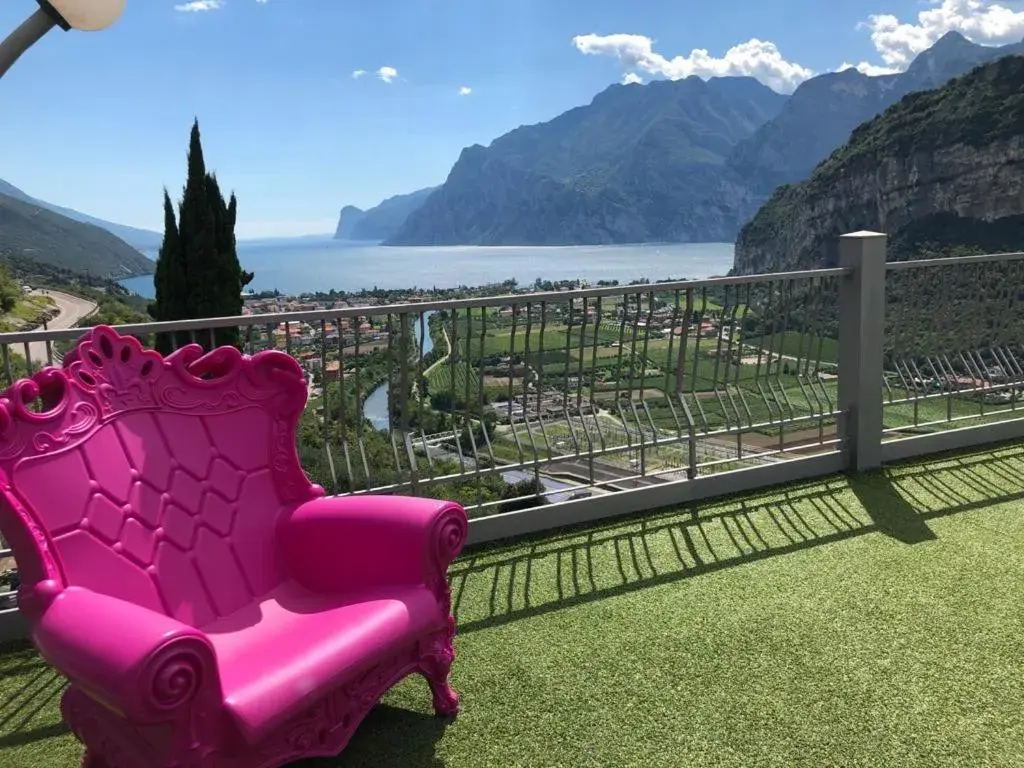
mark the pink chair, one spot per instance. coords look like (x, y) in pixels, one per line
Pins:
(209, 606)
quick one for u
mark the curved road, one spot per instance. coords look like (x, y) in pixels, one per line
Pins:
(71, 308)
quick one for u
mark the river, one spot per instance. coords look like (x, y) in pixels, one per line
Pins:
(375, 407)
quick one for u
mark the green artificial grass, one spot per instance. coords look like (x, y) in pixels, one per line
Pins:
(874, 621)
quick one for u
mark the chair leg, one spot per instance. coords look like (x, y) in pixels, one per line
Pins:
(435, 665)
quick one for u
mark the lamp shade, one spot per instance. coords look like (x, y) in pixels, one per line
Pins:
(88, 15)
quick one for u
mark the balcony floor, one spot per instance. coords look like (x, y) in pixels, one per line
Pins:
(869, 622)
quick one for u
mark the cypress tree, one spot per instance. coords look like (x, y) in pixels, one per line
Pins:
(171, 280)
(198, 274)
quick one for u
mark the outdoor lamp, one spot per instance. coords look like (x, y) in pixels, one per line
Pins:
(83, 15)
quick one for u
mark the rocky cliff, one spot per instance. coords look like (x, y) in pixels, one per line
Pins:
(383, 220)
(347, 221)
(940, 168)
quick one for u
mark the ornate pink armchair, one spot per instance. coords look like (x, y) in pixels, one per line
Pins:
(209, 606)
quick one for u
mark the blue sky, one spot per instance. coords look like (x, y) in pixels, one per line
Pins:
(99, 121)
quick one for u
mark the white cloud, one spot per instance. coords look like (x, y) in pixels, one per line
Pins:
(465, 90)
(755, 58)
(387, 74)
(356, 74)
(631, 77)
(981, 21)
(871, 70)
(200, 5)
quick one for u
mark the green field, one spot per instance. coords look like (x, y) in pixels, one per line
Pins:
(439, 380)
(708, 363)
(805, 346)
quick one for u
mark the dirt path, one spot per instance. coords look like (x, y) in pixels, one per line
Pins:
(71, 308)
(448, 343)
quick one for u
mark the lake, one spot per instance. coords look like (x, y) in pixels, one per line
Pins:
(308, 264)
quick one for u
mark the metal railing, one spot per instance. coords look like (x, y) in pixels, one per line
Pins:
(543, 409)
(954, 343)
(505, 401)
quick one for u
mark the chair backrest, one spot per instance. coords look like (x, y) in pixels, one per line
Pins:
(155, 480)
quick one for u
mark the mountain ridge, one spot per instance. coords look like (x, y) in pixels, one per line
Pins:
(788, 148)
(140, 239)
(585, 176)
(31, 231)
(940, 169)
(633, 166)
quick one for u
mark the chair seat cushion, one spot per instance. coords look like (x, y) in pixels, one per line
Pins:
(279, 655)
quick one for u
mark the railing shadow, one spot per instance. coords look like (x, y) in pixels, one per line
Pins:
(499, 585)
(29, 692)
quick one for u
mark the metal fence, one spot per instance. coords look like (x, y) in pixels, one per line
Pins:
(545, 409)
(954, 343)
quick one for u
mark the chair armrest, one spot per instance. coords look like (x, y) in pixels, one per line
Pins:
(142, 664)
(340, 543)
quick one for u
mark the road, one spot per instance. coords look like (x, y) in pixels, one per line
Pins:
(72, 309)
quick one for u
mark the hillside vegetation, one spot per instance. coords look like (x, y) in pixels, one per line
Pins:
(29, 231)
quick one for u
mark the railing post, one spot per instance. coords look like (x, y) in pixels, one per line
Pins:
(861, 347)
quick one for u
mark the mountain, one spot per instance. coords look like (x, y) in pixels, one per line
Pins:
(823, 111)
(142, 239)
(639, 163)
(816, 119)
(668, 161)
(28, 230)
(350, 216)
(952, 55)
(382, 221)
(939, 171)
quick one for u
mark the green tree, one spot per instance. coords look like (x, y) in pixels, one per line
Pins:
(10, 291)
(198, 274)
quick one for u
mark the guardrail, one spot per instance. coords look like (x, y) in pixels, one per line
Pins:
(547, 395)
(954, 351)
(546, 409)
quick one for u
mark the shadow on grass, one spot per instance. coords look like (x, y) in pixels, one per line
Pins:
(495, 585)
(29, 692)
(389, 736)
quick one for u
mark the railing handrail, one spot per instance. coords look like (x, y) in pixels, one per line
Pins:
(318, 315)
(954, 260)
